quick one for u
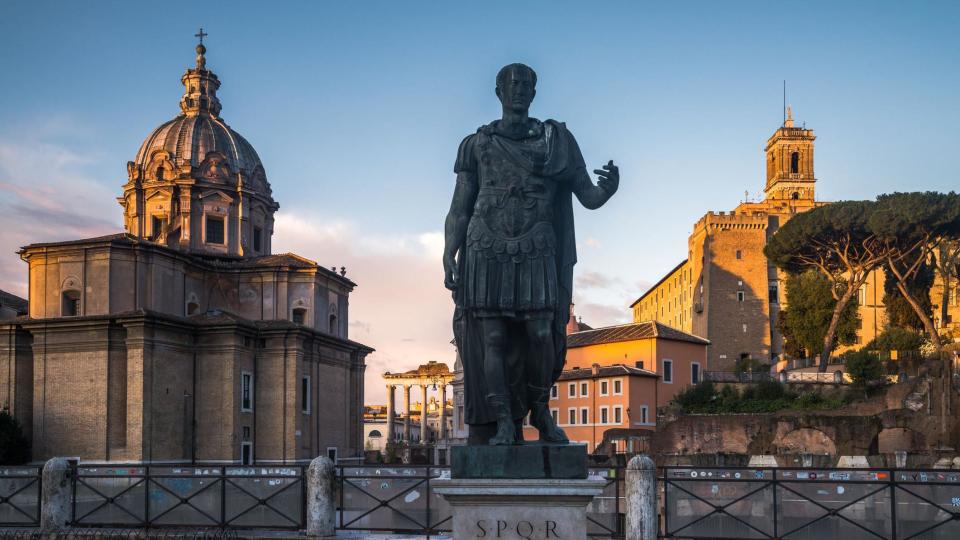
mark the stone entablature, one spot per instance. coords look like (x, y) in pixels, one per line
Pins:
(120, 273)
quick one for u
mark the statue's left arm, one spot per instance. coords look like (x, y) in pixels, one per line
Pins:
(594, 196)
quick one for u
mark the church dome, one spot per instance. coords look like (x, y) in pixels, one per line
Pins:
(197, 185)
(188, 140)
(198, 143)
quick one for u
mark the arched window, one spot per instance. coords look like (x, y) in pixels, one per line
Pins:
(795, 195)
(70, 306)
(333, 323)
(160, 173)
(375, 434)
(795, 162)
(299, 316)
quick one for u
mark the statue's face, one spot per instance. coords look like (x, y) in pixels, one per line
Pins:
(517, 92)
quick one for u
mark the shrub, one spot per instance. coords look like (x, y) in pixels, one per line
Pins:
(864, 368)
(14, 447)
(770, 390)
(895, 339)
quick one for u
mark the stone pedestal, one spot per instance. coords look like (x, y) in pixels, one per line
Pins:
(528, 491)
(527, 509)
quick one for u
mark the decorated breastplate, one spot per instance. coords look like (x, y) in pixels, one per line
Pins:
(513, 212)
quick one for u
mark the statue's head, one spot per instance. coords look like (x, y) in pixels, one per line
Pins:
(516, 86)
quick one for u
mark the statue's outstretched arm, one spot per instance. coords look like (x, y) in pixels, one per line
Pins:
(455, 228)
(594, 196)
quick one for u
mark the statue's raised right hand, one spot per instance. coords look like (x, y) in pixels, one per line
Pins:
(449, 272)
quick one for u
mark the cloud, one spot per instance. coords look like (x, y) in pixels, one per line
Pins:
(603, 299)
(45, 196)
(400, 299)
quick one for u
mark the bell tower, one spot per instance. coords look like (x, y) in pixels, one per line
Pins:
(790, 163)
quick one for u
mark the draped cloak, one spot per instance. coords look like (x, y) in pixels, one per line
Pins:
(562, 164)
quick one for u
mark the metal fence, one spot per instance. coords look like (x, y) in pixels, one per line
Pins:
(392, 498)
(188, 496)
(20, 496)
(400, 499)
(815, 504)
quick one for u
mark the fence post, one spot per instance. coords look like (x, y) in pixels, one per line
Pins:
(55, 499)
(641, 498)
(321, 507)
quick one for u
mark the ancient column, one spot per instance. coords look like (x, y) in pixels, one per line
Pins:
(407, 435)
(423, 416)
(391, 431)
(321, 502)
(443, 412)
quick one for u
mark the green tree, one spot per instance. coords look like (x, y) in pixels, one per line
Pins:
(864, 368)
(947, 262)
(810, 305)
(900, 314)
(911, 227)
(14, 447)
(835, 241)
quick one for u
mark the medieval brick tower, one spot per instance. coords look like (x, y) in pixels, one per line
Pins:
(726, 290)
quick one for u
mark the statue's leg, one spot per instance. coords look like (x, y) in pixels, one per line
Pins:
(540, 360)
(495, 343)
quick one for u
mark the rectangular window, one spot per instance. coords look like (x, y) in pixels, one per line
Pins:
(572, 390)
(553, 392)
(584, 415)
(603, 388)
(739, 254)
(299, 315)
(604, 415)
(305, 394)
(246, 453)
(695, 372)
(617, 414)
(618, 387)
(571, 416)
(215, 230)
(246, 392)
(332, 453)
(257, 239)
(668, 371)
(584, 389)
(774, 295)
(739, 296)
(246, 433)
(644, 412)
(555, 413)
(156, 224)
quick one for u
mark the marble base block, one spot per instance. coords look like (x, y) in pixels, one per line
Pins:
(527, 509)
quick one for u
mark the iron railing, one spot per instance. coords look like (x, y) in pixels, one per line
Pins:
(396, 498)
(188, 496)
(604, 517)
(810, 503)
(20, 492)
(400, 499)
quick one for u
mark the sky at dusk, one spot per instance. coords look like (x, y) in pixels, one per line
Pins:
(357, 108)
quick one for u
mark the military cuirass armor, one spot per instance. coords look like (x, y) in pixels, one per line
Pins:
(510, 243)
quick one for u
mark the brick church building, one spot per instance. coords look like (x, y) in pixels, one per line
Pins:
(185, 338)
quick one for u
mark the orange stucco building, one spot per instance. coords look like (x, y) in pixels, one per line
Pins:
(617, 376)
